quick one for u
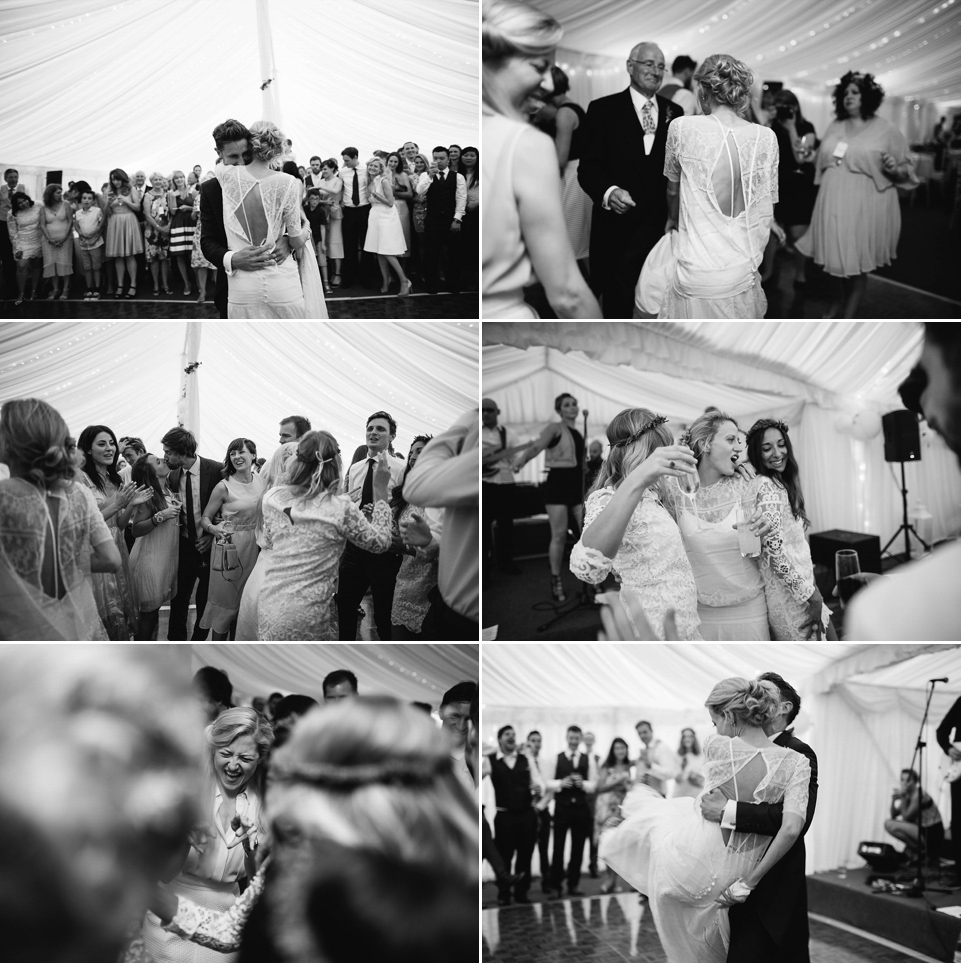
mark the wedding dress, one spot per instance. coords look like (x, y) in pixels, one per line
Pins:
(268, 208)
(682, 863)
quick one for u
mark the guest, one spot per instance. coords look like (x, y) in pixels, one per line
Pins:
(499, 443)
(235, 501)
(89, 222)
(588, 741)
(124, 240)
(385, 236)
(613, 781)
(592, 467)
(470, 226)
(524, 232)
(356, 205)
(454, 152)
(628, 530)
(180, 201)
(690, 779)
(306, 525)
(563, 489)
(795, 609)
(153, 561)
(656, 764)
(23, 224)
(362, 569)
(948, 735)
(418, 211)
(417, 575)
(313, 177)
(156, 212)
(8, 263)
(317, 219)
(197, 260)
(47, 602)
(332, 187)
(130, 450)
(857, 220)
(411, 152)
(677, 88)
(293, 428)
(455, 710)
(446, 196)
(289, 711)
(193, 479)
(403, 193)
(541, 809)
(114, 591)
(903, 824)
(339, 685)
(55, 227)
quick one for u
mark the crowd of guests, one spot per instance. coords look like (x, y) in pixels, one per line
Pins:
(280, 550)
(185, 827)
(594, 204)
(404, 213)
(541, 800)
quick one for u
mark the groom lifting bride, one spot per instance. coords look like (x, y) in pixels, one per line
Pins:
(251, 223)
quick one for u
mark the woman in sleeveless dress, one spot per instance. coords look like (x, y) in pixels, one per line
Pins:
(180, 201)
(261, 204)
(721, 175)
(124, 236)
(690, 780)
(691, 869)
(385, 236)
(628, 530)
(332, 188)
(235, 501)
(524, 236)
(613, 782)
(403, 193)
(55, 226)
(796, 611)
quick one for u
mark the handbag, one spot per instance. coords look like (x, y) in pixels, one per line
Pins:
(656, 274)
(225, 559)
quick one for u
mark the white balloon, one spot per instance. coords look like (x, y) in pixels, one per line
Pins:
(865, 425)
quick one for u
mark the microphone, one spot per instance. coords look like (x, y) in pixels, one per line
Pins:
(937, 680)
(584, 412)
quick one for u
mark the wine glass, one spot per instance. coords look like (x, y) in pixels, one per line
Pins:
(846, 563)
(689, 484)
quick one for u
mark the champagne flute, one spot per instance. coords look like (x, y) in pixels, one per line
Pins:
(689, 484)
(846, 563)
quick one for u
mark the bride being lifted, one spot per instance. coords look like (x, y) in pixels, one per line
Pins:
(690, 869)
(261, 204)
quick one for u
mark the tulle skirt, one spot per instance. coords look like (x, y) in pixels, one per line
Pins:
(153, 564)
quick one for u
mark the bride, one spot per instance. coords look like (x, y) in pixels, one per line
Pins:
(691, 869)
(262, 204)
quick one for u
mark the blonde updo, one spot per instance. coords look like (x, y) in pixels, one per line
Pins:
(745, 701)
(268, 143)
(724, 81)
(512, 28)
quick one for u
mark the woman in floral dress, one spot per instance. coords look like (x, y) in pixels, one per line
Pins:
(613, 781)
(197, 260)
(56, 220)
(157, 233)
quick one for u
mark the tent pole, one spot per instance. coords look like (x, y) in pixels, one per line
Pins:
(268, 66)
(188, 404)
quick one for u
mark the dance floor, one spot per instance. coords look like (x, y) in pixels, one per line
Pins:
(619, 929)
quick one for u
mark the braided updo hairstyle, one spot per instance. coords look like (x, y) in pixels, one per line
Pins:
(316, 468)
(724, 81)
(35, 442)
(703, 430)
(745, 701)
(268, 143)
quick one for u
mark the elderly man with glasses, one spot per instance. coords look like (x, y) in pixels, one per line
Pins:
(622, 169)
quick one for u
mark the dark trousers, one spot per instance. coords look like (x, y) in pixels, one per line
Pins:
(356, 265)
(9, 263)
(443, 624)
(514, 836)
(489, 850)
(193, 567)
(577, 820)
(592, 837)
(470, 250)
(543, 842)
(361, 570)
(750, 940)
(497, 505)
(956, 824)
(437, 239)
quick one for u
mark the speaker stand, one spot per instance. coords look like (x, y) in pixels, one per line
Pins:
(905, 525)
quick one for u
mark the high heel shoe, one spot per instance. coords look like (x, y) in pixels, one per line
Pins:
(557, 589)
(384, 288)
(607, 887)
(405, 290)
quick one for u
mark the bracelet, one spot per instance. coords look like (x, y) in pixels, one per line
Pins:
(156, 519)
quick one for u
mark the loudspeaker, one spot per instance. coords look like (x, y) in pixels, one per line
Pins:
(56, 177)
(882, 857)
(825, 544)
(902, 436)
(772, 86)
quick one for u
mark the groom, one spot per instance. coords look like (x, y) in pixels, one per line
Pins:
(622, 169)
(772, 924)
(232, 142)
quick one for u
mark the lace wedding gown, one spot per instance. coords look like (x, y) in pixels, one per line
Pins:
(650, 563)
(682, 862)
(268, 208)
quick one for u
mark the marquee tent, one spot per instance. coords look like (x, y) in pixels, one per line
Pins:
(911, 46)
(862, 707)
(829, 381)
(90, 85)
(245, 377)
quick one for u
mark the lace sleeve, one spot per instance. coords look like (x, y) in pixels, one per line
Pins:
(96, 526)
(374, 536)
(769, 501)
(588, 564)
(672, 166)
(218, 931)
(796, 794)
(292, 209)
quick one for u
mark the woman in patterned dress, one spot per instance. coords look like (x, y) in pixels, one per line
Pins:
(124, 238)
(156, 236)
(690, 782)
(180, 200)
(56, 224)
(613, 781)
(197, 260)
(332, 188)
(25, 239)
(796, 611)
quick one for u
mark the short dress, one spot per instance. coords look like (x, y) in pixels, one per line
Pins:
(385, 235)
(403, 210)
(565, 486)
(197, 259)
(156, 241)
(154, 561)
(24, 229)
(576, 204)
(57, 261)
(124, 236)
(417, 575)
(181, 224)
(335, 220)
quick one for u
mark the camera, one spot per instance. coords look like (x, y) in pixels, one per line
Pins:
(785, 112)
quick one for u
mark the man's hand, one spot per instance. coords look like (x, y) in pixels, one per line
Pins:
(415, 531)
(671, 225)
(253, 258)
(617, 628)
(282, 249)
(620, 200)
(455, 225)
(811, 627)
(712, 805)
(203, 543)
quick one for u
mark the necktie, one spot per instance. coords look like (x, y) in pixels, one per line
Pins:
(189, 509)
(355, 190)
(647, 119)
(367, 494)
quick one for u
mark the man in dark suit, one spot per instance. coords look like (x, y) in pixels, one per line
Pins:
(772, 924)
(232, 141)
(622, 170)
(194, 479)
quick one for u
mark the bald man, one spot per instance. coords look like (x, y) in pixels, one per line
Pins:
(622, 169)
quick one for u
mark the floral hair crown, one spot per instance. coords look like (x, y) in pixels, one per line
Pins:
(653, 423)
(764, 423)
(390, 772)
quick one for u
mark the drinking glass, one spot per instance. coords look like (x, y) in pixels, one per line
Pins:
(748, 542)
(845, 563)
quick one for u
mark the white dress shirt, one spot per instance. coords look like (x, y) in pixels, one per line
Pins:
(354, 482)
(459, 765)
(347, 175)
(639, 100)
(661, 765)
(510, 760)
(194, 493)
(589, 784)
(460, 189)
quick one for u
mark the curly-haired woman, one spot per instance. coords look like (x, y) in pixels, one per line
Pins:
(124, 237)
(56, 220)
(857, 221)
(691, 869)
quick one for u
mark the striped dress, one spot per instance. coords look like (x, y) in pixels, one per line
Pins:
(181, 224)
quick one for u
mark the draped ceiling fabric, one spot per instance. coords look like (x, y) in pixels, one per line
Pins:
(813, 375)
(862, 707)
(913, 47)
(126, 375)
(89, 85)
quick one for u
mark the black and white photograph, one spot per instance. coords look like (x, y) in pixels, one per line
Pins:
(746, 159)
(726, 803)
(240, 159)
(239, 804)
(252, 481)
(740, 481)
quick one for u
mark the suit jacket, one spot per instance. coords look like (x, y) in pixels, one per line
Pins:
(779, 903)
(210, 473)
(213, 236)
(613, 154)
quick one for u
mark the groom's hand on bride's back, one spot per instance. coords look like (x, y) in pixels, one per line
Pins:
(712, 805)
(253, 258)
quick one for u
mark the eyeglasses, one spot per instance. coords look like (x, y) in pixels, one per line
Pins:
(649, 65)
(490, 411)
